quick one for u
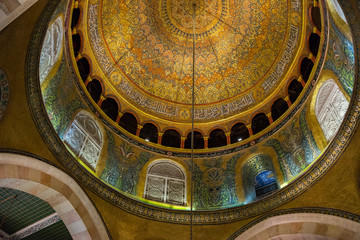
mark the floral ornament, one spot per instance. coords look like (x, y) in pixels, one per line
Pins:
(127, 158)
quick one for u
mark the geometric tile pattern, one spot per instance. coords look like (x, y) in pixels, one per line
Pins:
(21, 211)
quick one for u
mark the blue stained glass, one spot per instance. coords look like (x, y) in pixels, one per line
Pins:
(264, 178)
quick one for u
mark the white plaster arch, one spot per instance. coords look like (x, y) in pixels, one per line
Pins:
(54, 186)
(311, 225)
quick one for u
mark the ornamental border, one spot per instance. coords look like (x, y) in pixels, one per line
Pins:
(210, 153)
(86, 179)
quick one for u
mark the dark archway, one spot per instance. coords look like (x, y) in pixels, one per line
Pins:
(259, 122)
(171, 138)
(149, 132)
(128, 122)
(217, 138)
(94, 88)
(198, 141)
(305, 68)
(110, 108)
(294, 90)
(239, 132)
(75, 17)
(316, 17)
(314, 43)
(278, 108)
(84, 68)
(76, 41)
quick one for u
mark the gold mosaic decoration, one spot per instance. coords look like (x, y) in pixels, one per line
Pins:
(243, 50)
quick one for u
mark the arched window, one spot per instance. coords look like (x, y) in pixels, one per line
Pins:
(278, 108)
(52, 48)
(171, 138)
(128, 122)
(330, 108)
(259, 123)
(306, 68)
(314, 43)
(217, 138)
(94, 88)
(316, 17)
(258, 177)
(76, 41)
(165, 182)
(265, 182)
(149, 132)
(239, 132)
(198, 141)
(110, 108)
(84, 68)
(75, 17)
(294, 90)
(85, 139)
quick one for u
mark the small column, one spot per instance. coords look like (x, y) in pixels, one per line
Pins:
(78, 57)
(316, 30)
(228, 140)
(301, 80)
(102, 98)
(118, 117)
(206, 142)
(76, 4)
(73, 31)
(249, 129)
(160, 137)
(312, 57)
(88, 79)
(270, 118)
(287, 101)
(182, 144)
(139, 127)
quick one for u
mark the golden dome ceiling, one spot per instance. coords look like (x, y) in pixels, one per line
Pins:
(143, 52)
(150, 42)
(248, 54)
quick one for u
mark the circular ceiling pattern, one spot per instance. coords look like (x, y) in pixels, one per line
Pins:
(224, 180)
(146, 53)
(179, 16)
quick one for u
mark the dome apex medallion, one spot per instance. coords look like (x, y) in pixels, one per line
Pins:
(179, 16)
